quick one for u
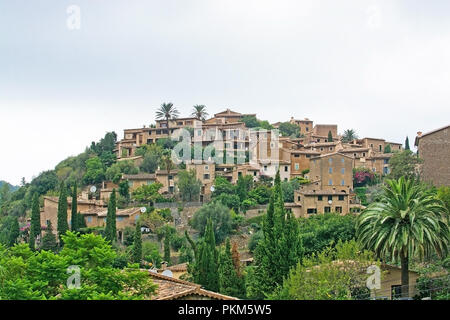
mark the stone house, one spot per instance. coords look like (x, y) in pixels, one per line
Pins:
(434, 148)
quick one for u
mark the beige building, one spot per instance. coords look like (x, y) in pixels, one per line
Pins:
(305, 125)
(93, 211)
(434, 148)
(334, 170)
(205, 173)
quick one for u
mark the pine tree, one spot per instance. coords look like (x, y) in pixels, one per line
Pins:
(49, 239)
(407, 143)
(167, 249)
(279, 250)
(75, 216)
(110, 229)
(137, 244)
(62, 226)
(330, 136)
(35, 227)
(229, 281)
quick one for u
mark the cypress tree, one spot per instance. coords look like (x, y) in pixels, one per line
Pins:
(281, 247)
(229, 281)
(407, 143)
(110, 229)
(35, 226)
(14, 232)
(137, 244)
(49, 239)
(75, 216)
(330, 136)
(167, 249)
(205, 270)
(62, 226)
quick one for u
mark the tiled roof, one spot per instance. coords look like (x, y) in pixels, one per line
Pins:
(121, 212)
(139, 176)
(176, 268)
(353, 150)
(170, 288)
(433, 131)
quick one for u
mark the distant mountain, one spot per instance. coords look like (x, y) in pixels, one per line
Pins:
(11, 187)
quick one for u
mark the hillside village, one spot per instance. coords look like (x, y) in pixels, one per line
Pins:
(318, 156)
(238, 167)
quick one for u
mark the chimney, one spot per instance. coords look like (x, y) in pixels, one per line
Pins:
(419, 133)
(163, 265)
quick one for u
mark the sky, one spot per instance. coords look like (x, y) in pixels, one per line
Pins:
(70, 71)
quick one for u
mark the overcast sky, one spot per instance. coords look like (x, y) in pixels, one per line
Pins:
(380, 67)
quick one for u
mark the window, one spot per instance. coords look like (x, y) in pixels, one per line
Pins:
(321, 149)
(206, 176)
(343, 170)
(343, 182)
(327, 209)
(331, 148)
(396, 291)
(297, 166)
(149, 182)
(319, 198)
(265, 168)
(254, 173)
(330, 170)
(330, 198)
(285, 179)
(311, 211)
(330, 160)
(199, 133)
(339, 209)
(170, 177)
(89, 219)
(286, 168)
(119, 218)
(330, 182)
(364, 154)
(298, 198)
(308, 156)
(343, 160)
(341, 198)
(206, 167)
(296, 156)
(136, 217)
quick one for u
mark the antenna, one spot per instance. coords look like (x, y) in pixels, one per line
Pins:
(93, 189)
(143, 210)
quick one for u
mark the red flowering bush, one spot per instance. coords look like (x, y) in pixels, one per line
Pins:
(362, 177)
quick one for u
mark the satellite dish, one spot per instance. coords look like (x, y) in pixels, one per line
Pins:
(143, 209)
(93, 189)
(212, 189)
(330, 202)
(167, 273)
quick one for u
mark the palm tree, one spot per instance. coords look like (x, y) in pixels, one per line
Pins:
(168, 165)
(349, 135)
(167, 112)
(408, 221)
(199, 112)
